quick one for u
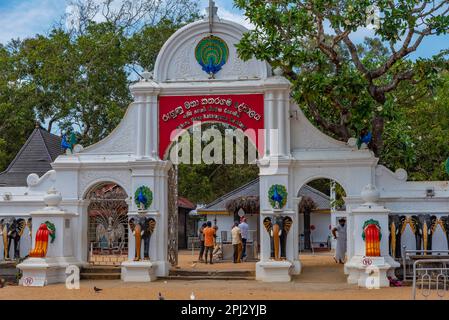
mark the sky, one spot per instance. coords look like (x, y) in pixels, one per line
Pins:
(26, 18)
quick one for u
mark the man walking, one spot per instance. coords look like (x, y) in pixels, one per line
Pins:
(236, 241)
(201, 237)
(209, 240)
(244, 228)
(340, 252)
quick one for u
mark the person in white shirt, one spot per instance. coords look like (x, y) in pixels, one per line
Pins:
(244, 229)
(236, 241)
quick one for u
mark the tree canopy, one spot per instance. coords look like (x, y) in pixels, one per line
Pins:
(346, 86)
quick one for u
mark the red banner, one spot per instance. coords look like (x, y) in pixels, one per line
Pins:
(180, 112)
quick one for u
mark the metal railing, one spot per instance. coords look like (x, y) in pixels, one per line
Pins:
(431, 278)
(100, 248)
(413, 255)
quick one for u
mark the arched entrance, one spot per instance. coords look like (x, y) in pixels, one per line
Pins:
(107, 224)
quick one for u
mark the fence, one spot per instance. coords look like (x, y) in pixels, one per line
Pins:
(410, 256)
(432, 276)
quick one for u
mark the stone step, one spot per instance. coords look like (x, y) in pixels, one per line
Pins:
(100, 276)
(101, 269)
(212, 273)
(196, 278)
(8, 271)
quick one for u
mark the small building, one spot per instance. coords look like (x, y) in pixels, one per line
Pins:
(35, 156)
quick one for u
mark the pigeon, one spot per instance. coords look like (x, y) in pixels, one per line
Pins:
(2, 282)
(192, 296)
(97, 290)
(161, 297)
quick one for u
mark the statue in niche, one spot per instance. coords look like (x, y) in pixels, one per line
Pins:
(142, 228)
(397, 226)
(444, 223)
(278, 228)
(11, 229)
(423, 226)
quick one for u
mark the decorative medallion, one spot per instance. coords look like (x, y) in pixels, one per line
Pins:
(212, 53)
(143, 197)
(372, 236)
(277, 195)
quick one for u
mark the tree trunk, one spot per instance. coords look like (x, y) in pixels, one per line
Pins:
(378, 129)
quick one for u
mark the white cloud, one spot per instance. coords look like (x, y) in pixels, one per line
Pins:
(29, 18)
(235, 17)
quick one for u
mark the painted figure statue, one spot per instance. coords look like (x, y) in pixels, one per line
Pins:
(397, 226)
(142, 228)
(372, 236)
(11, 230)
(46, 230)
(278, 228)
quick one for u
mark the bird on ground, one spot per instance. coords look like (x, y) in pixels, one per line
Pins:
(192, 296)
(161, 297)
(97, 290)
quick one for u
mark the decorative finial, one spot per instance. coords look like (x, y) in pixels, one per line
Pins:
(53, 198)
(212, 14)
(370, 194)
(147, 76)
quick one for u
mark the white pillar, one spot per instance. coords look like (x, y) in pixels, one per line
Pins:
(51, 268)
(364, 270)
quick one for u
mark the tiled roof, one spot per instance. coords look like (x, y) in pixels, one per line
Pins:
(35, 156)
(252, 189)
(185, 203)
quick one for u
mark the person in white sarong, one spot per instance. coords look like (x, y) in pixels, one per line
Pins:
(339, 233)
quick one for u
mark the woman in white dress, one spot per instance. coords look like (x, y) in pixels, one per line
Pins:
(340, 229)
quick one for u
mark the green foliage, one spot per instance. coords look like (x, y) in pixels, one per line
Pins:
(78, 81)
(342, 86)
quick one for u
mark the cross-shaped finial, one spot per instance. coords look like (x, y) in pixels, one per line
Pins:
(212, 12)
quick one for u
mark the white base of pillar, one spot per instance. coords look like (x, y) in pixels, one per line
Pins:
(297, 267)
(370, 272)
(274, 271)
(162, 268)
(138, 271)
(39, 272)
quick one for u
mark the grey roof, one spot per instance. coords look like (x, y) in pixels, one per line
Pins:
(252, 189)
(35, 156)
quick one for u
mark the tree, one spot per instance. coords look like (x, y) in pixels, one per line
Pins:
(341, 85)
(16, 110)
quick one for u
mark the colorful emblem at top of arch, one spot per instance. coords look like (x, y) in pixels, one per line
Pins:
(212, 53)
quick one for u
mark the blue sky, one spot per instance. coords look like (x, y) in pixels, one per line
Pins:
(25, 18)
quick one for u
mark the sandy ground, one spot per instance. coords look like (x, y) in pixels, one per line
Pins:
(321, 278)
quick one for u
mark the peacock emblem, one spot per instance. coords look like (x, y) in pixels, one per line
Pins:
(143, 197)
(212, 53)
(277, 195)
